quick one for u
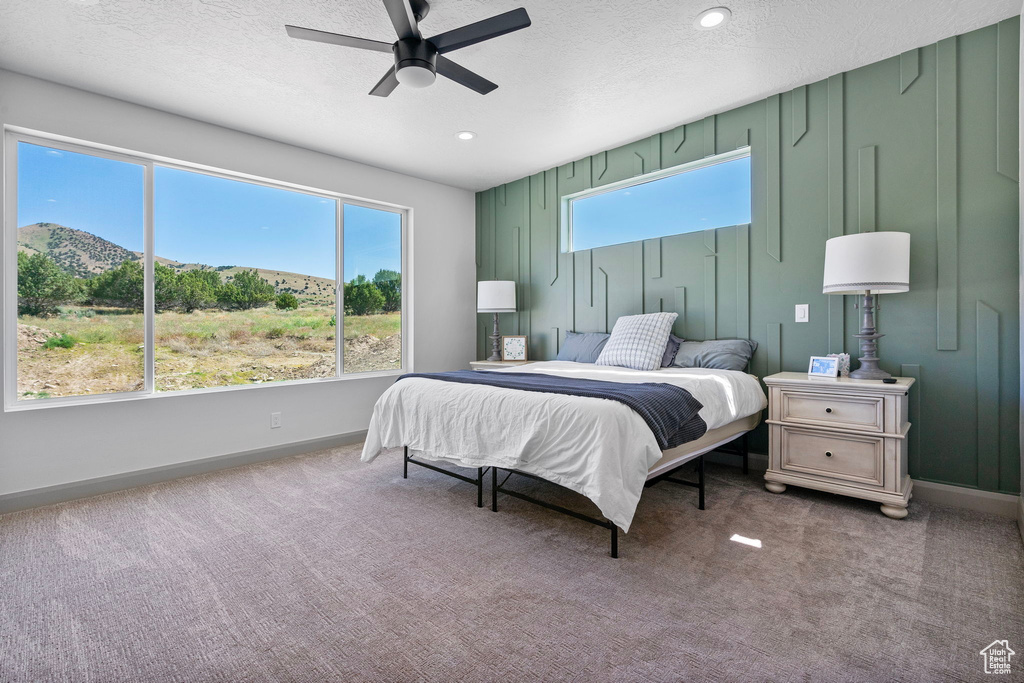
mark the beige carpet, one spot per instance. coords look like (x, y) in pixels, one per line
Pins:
(320, 568)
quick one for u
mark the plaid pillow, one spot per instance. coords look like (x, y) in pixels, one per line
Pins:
(638, 341)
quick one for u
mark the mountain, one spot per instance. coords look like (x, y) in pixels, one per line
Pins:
(80, 253)
(83, 254)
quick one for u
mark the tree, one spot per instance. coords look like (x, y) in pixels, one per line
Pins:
(122, 286)
(165, 286)
(363, 298)
(389, 283)
(286, 301)
(246, 290)
(197, 289)
(43, 286)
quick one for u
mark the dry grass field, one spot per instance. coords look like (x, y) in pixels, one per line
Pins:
(208, 348)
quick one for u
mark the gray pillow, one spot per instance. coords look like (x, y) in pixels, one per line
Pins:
(671, 349)
(582, 347)
(720, 354)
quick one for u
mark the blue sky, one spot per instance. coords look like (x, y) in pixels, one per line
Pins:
(203, 219)
(711, 197)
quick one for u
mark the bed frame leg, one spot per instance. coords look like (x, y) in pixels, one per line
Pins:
(479, 487)
(615, 541)
(494, 489)
(746, 453)
(700, 482)
(405, 463)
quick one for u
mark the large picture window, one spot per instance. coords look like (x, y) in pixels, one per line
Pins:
(710, 193)
(129, 276)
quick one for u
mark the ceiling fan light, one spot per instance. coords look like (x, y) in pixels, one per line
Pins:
(415, 76)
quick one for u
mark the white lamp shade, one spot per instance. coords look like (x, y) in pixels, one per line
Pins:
(496, 296)
(868, 261)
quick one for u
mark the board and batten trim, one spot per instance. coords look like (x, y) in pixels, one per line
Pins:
(1007, 66)
(946, 204)
(914, 415)
(799, 113)
(836, 202)
(910, 68)
(987, 401)
(867, 208)
(773, 156)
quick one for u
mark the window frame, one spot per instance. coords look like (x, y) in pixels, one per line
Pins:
(13, 135)
(566, 236)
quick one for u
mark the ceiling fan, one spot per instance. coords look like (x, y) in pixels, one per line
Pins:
(417, 59)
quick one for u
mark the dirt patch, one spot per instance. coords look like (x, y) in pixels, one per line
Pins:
(368, 353)
(31, 337)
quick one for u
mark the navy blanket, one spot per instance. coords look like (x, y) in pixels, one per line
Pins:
(670, 411)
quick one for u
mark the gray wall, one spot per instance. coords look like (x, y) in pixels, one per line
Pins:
(925, 142)
(52, 446)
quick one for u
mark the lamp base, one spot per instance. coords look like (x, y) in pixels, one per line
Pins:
(869, 344)
(495, 338)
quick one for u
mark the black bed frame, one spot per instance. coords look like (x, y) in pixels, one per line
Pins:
(739, 448)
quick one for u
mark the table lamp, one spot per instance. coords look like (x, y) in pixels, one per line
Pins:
(868, 263)
(495, 296)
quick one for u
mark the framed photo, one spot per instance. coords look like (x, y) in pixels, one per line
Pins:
(823, 366)
(513, 347)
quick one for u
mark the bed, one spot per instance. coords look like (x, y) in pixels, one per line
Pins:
(599, 448)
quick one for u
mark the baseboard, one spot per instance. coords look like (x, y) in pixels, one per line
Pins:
(1002, 504)
(1020, 516)
(61, 493)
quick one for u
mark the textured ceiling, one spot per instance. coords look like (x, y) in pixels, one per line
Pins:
(587, 76)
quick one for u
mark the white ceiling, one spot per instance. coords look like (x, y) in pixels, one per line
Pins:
(588, 75)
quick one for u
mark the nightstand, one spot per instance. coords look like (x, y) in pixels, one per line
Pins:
(845, 436)
(496, 364)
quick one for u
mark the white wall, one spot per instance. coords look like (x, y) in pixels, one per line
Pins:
(52, 446)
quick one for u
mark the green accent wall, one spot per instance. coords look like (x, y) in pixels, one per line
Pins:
(924, 142)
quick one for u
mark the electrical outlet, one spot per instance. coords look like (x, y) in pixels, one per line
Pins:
(803, 313)
(275, 420)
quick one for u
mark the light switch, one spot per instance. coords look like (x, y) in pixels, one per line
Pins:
(802, 313)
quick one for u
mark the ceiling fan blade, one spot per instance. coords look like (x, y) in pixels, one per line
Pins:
(464, 76)
(337, 39)
(386, 85)
(480, 31)
(403, 19)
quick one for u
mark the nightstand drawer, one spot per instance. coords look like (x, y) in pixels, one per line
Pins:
(851, 412)
(839, 456)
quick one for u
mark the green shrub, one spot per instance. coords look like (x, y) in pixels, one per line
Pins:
(246, 290)
(275, 333)
(362, 298)
(60, 341)
(43, 286)
(286, 301)
(389, 283)
(121, 286)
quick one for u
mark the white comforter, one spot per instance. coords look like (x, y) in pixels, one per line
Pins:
(597, 447)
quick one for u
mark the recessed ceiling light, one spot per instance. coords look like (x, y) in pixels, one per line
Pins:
(712, 18)
(465, 135)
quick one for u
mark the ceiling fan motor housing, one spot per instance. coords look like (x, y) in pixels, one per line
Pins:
(415, 54)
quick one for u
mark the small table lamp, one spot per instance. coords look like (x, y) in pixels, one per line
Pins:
(495, 296)
(868, 263)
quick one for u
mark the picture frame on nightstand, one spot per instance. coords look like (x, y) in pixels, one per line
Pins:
(513, 347)
(823, 366)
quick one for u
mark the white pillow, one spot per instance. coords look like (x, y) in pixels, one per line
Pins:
(638, 341)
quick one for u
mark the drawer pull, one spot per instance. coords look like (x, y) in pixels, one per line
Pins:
(828, 454)
(828, 410)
